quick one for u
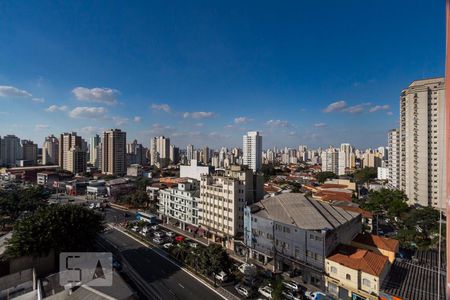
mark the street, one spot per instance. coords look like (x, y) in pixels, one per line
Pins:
(161, 279)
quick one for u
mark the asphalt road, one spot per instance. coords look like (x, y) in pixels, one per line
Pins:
(161, 279)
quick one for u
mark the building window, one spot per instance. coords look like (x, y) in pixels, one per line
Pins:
(348, 277)
(366, 282)
(333, 270)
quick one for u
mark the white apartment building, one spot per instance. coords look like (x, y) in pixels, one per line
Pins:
(93, 150)
(194, 170)
(50, 151)
(330, 160)
(422, 142)
(181, 205)
(394, 158)
(252, 150)
(345, 158)
(10, 150)
(160, 151)
(222, 203)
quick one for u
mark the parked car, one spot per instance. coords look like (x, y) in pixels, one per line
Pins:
(135, 228)
(266, 291)
(247, 269)
(193, 244)
(317, 296)
(222, 276)
(288, 294)
(293, 286)
(159, 234)
(167, 245)
(170, 233)
(243, 290)
(158, 240)
(154, 227)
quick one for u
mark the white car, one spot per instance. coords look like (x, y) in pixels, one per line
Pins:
(167, 245)
(135, 228)
(247, 269)
(159, 234)
(170, 233)
(154, 227)
(242, 290)
(290, 295)
(222, 276)
(266, 291)
(292, 285)
(193, 244)
(158, 240)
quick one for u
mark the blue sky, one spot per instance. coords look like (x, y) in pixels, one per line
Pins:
(205, 72)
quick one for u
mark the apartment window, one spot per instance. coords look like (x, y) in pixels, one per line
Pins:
(366, 282)
(333, 270)
(348, 277)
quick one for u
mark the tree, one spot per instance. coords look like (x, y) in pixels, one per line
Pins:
(365, 175)
(55, 227)
(17, 201)
(323, 176)
(139, 198)
(390, 202)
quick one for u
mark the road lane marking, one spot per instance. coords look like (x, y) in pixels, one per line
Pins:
(169, 260)
(181, 285)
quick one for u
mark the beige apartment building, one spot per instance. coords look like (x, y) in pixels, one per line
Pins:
(50, 151)
(394, 158)
(422, 143)
(114, 152)
(76, 160)
(67, 141)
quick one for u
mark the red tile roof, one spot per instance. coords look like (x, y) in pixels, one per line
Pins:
(377, 241)
(359, 259)
(333, 186)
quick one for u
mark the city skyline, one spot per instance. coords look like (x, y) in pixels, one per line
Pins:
(164, 85)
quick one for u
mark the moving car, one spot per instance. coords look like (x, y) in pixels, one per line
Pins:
(243, 290)
(266, 291)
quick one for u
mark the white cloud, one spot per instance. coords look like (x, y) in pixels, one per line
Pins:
(41, 126)
(120, 121)
(88, 112)
(10, 91)
(101, 95)
(320, 125)
(137, 119)
(242, 120)
(199, 115)
(356, 109)
(389, 113)
(335, 106)
(53, 108)
(38, 100)
(159, 129)
(164, 107)
(91, 130)
(278, 123)
(379, 107)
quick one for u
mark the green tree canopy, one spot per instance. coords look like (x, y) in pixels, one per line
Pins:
(324, 176)
(18, 200)
(55, 227)
(391, 202)
(365, 174)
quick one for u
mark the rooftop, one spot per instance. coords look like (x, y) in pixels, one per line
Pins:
(296, 209)
(359, 259)
(416, 280)
(377, 241)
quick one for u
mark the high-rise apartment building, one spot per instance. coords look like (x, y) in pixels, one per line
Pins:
(345, 158)
(93, 150)
(11, 150)
(114, 152)
(50, 149)
(252, 150)
(160, 151)
(174, 154)
(422, 142)
(29, 152)
(394, 158)
(67, 141)
(190, 152)
(76, 160)
(330, 160)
